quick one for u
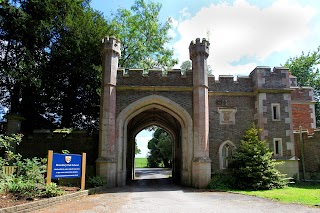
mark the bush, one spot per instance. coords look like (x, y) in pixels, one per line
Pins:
(96, 181)
(52, 190)
(221, 181)
(23, 188)
(252, 165)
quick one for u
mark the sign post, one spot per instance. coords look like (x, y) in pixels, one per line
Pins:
(66, 166)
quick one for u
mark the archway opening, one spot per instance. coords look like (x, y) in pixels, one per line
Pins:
(153, 154)
(166, 137)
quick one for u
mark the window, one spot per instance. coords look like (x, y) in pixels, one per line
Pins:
(277, 146)
(226, 150)
(275, 107)
(227, 115)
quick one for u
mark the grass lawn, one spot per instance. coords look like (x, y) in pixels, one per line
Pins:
(304, 193)
(141, 162)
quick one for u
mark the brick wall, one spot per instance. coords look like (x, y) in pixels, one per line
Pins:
(303, 109)
(311, 154)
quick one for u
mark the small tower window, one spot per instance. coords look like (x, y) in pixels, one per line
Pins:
(275, 111)
(277, 146)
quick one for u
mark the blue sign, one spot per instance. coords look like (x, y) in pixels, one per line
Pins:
(66, 166)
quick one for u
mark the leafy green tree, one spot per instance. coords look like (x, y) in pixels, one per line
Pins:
(74, 76)
(186, 65)
(160, 147)
(306, 68)
(136, 148)
(143, 37)
(252, 166)
(50, 58)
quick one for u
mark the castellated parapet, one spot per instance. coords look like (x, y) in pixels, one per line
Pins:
(111, 44)
(259, 78)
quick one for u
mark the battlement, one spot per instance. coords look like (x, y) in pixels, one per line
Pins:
(264, 78)
(226, 83)
(259, 78)
(154, 77)
(199, 47)
(302, 94)
(111, 43)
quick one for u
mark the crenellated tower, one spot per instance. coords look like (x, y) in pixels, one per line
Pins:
(107, 158)
(201, 165)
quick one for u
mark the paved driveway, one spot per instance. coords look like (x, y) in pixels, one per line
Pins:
(161, 195)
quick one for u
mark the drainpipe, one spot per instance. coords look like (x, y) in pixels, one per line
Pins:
(302, 154)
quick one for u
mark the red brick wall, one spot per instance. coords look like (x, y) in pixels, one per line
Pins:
(311, 154)
(301, 116)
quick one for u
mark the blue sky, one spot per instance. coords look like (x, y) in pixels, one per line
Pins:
(243, 33)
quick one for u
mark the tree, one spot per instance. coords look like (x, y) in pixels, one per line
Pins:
(136, 148)
(50, 61)
(143, 37)
(187, 65)
(252, 166)
(74, 74)
(306, 68)
(160, 147)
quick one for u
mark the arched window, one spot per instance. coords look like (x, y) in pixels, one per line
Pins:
(226, 150)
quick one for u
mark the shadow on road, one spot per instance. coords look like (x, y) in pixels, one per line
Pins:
(150, 179)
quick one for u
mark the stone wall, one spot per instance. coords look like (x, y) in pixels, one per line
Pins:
(126, 97)
(233, 132)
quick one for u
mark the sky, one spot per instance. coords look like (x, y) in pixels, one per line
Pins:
(243, 34)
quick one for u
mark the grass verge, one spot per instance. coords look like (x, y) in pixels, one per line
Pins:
(141, 162)
(305, 193)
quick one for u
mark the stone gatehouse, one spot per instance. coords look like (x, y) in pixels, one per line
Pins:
(206, 115)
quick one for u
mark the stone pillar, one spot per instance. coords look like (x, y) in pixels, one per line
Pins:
(106, 164)
(201, 166)
(13, 126)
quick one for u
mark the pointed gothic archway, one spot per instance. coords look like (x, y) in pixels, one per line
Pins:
(148, 111)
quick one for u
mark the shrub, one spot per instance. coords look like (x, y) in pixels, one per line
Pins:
(23, 188)
(221, 181)
(96, 181)
(52, 190)
(252, 165)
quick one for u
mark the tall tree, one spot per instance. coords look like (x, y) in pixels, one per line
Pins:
(306, 68)
(75, 75)
(143, 38)
(160, 147)
(50, 60)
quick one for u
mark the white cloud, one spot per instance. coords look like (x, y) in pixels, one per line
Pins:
(172, 33)
(184, 13)
(174, 23)
(243, 30)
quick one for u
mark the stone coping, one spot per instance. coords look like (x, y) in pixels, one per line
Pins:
(40, 204)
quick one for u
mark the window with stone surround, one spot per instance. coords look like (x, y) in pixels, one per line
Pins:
(226, 150)
(227, 115)
(277, 147)
(275, 107)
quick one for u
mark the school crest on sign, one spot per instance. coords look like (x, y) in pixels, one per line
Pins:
(67, 158)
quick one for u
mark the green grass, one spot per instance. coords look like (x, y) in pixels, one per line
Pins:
(141, 162)
(300, 193)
